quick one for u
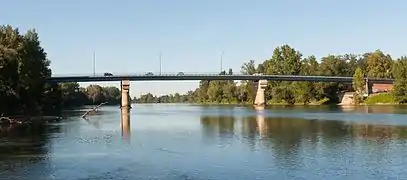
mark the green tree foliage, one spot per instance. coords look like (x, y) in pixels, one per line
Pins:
(378, 64)
(288, 61)
(248, 68)
(358, 85)
(176, 98)
(400, 74)
(24, 68)
(285, 61)
(73, 95)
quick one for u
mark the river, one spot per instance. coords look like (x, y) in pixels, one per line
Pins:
(190, 142)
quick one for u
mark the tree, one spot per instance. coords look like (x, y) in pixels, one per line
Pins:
(305, 91)
(202, 91)
(112, 94)
(248, 68)
(358, 85)
(286, 60)
(23, 72)
(52, 103)
(177, 98)
(378, 64)
(332, 66)
(95, 94)
(353, 62)
(247, 91)
(400, 75)
(214, 92)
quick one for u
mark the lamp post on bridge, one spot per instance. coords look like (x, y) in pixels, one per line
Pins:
(94, 64)
(160, 61)
(221, 62)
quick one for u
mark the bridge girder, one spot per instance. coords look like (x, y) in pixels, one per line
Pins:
(346, 80)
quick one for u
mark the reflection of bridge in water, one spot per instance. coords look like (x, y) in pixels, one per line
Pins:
(288, 134)
(262, 128)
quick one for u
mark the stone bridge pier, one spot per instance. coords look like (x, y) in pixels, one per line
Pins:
(368, 87)
(260, 99)
(125, 89)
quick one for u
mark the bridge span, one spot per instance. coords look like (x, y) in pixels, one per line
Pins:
(262, 81)
(189, 77)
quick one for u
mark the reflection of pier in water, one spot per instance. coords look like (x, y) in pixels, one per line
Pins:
(289, 134)
(125, 123)
(261, 124)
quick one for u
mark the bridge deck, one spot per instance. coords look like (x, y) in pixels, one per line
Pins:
(214, 77)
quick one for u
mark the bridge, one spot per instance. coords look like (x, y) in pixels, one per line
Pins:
(189, 77)
(261, 79)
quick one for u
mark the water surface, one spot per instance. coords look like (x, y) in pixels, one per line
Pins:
(171, 141)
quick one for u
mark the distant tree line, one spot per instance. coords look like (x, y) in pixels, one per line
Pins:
(73, 95)
(289, 61)
(24, 69)
(172, 98)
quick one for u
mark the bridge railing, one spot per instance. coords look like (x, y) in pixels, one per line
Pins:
(172, 74)
(140, 74)
(148, 74)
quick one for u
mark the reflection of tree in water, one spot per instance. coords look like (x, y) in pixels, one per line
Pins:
(289, 132)
(249, 130)
(285, 137)
(374, 109)
(378, 132)
(21, 146)
(333, 133)
(218, 126)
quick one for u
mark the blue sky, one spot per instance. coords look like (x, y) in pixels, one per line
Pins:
(128, 36)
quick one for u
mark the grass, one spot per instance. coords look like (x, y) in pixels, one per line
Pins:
(382, 98)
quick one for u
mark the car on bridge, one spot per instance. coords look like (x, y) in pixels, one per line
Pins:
(149, 74)
(180, 74)
(107, 74)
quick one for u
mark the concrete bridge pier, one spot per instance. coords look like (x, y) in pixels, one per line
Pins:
(368, 87)
(125, 109)
(260, 100)
(125, 88)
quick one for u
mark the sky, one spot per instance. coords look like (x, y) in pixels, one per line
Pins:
(128, 36)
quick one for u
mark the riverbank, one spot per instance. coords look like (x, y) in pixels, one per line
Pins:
(11, 120)
(374, 99)
(324, 101)
(21, 120)
(381, 99)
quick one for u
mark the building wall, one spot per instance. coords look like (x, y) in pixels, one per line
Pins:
(382, 87)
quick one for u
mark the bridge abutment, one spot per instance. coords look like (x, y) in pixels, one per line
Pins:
(260, 99)
(125, 89)
(368, 87)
